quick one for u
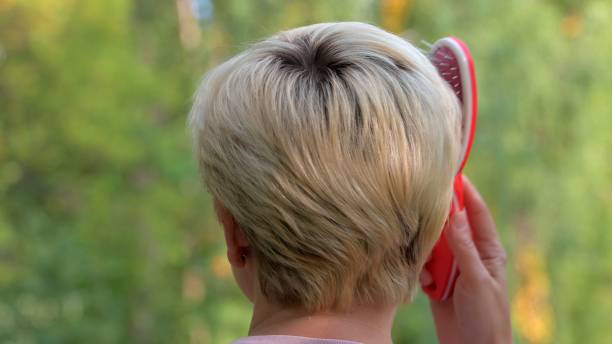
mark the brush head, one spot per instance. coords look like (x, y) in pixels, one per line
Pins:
(454, 62)
(448, 67)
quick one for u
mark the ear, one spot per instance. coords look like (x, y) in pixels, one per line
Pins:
(238, 248)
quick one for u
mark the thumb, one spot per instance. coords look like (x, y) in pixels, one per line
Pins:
(462, 245)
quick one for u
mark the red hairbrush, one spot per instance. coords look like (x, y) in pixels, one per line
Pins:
(454, 62)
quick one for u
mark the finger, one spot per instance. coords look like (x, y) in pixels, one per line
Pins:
(462, 245)
(425, 278)
(446, 321)
(484, 231)
(481, 221)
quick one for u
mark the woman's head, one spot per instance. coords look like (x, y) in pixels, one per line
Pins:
(333, 147)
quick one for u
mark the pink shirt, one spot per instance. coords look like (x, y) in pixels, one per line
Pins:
(289, 340)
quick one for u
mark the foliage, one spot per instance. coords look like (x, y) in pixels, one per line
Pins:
(106, 234)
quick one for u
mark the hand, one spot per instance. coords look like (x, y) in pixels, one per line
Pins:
(478, 311)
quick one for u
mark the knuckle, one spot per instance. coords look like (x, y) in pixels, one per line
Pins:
(503, 258)
(466, 245)
(481, 278)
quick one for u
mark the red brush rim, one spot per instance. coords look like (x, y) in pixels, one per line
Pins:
(474, 92)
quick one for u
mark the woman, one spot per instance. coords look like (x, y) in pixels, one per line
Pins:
(330, 150)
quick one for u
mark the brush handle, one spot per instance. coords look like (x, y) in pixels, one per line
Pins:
(442, 267)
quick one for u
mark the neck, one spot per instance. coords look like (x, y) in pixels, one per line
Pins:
(360, 324)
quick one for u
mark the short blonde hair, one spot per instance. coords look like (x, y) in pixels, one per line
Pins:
(334, 147)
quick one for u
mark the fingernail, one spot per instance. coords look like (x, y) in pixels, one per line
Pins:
(459, 220)
(425, 278)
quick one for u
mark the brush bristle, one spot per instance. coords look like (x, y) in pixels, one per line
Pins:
(448, 67)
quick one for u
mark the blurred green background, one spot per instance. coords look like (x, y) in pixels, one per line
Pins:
(107, 236)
